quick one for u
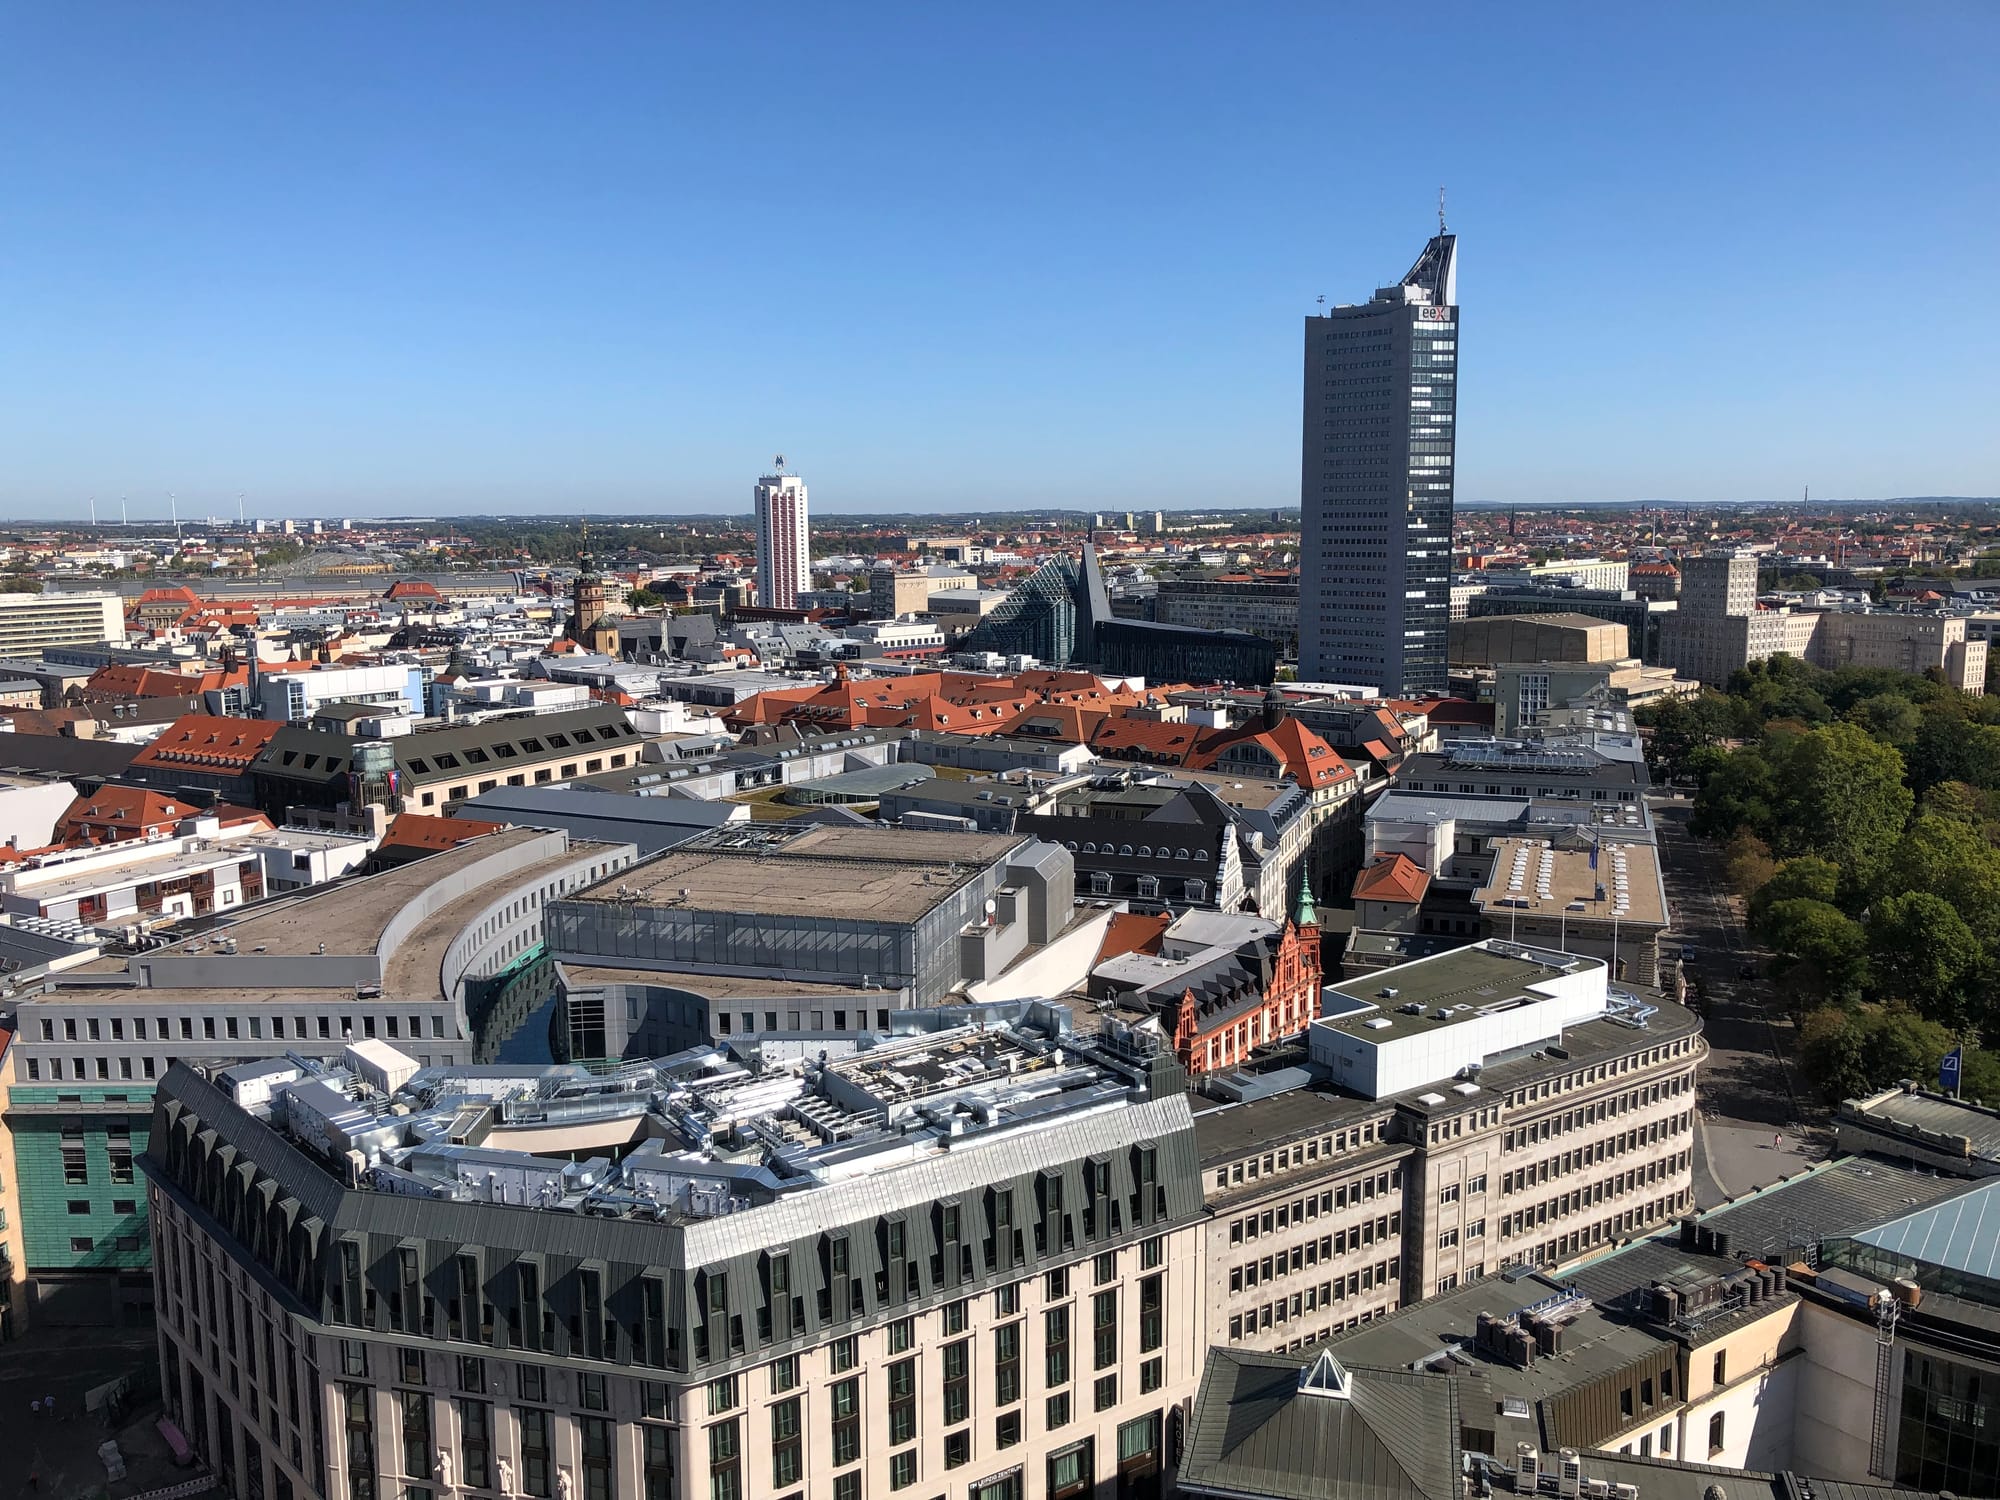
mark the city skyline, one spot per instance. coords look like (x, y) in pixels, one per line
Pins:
(333, 263)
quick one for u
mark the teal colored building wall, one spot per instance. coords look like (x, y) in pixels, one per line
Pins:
(43, 1195)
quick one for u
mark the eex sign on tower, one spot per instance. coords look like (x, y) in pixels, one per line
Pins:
(1375, 481)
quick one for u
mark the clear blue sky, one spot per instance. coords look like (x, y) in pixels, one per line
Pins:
(471, 257)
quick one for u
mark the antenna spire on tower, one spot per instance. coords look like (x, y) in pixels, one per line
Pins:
(1440, 209)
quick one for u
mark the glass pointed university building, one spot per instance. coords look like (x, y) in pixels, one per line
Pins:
(1381, 402)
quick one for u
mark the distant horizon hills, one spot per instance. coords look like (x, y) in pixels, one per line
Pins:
(914, 521)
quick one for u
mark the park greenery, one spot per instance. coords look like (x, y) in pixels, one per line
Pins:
(1860, 810)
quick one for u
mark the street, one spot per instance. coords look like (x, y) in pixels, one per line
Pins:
(1750, 1090)
(56, 1454)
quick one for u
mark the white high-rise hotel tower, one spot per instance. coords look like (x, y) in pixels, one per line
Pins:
(784, 539)
(1381, 408)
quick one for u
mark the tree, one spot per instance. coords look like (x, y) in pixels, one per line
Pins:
(1833, 1052)
(1921, 951)
(1851, 1051)
(1738, 790)
(1748, 866)
(1681, 726)
(1806, 878)
(1781, 687)
(1950, 859)
(1888, 717)
(1824, 952)
(1957, 802)
(1840, 795)
(1950, 747)
(644, 599)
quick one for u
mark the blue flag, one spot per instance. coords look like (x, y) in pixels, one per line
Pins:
(1948, 1070)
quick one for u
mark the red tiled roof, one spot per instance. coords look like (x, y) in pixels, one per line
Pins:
(1132, 932)
(1152, 739)
(1397, 879)
(1307, 759)
(208, 740)
(115, 812)
(425, 831)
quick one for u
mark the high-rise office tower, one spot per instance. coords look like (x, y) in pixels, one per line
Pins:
(784, 539)
(1381, 386)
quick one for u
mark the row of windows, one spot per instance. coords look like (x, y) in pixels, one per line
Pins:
(95, 1027)
(1629, 1062)
(1526, 1220)
(1589, 1154)
(1279, 1311)
(1621, 1225)
(1328, 1247)
(1351, 1193)
(1299, 1153)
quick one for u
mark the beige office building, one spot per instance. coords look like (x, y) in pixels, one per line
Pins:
(893, 592)
(1502, 1107)
(1902, 643)
(1489, 640)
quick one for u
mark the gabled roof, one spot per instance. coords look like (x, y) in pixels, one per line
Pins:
(121, 680)
(1259, 1429)
(122, 812)
(1306, 758)
(1148, 739)
(1060, 721)
(1397, 879)
(208, 742)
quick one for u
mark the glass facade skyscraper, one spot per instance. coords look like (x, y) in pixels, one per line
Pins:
(1381, 407)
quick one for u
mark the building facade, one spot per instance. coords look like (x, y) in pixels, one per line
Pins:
(784, 540)
(1256, 606)
(31, 623)
(936, 1286)
(1386, 1179)
(414, 957)
(1376, 488)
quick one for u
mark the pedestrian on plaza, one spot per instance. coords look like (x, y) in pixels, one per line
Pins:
(35, 1407)
(1778, 1141)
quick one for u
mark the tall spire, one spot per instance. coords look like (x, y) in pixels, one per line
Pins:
(1308, 914)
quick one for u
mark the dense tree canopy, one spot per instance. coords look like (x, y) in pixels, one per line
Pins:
(1861, 810)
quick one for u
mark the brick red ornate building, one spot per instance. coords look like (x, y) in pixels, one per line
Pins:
(1266, 989)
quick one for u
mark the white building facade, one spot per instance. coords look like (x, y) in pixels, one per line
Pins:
(784, 540)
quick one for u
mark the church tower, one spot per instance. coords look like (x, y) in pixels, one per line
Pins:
(590, 626)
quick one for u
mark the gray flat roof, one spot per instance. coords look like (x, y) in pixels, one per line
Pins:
(1593, 1344)
(1473, 976)
(1949, 1117)
(865, 874)
(893, 777)
(571, 803)
(1838, 1197)
(351, 917)
(416, 967)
